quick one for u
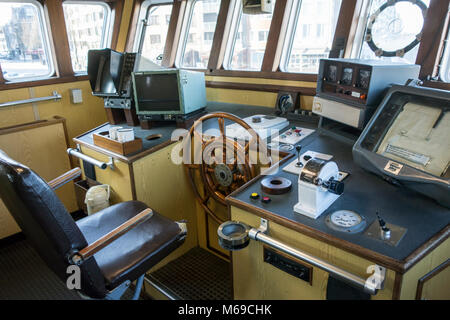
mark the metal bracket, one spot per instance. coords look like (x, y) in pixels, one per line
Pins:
(110, 163)
(376, 280)
(264, 226)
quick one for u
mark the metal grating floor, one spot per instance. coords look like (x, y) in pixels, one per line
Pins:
(196, 275)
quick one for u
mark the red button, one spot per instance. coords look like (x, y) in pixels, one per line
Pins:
(265, 199)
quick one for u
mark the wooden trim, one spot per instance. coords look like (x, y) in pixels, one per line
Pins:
(64, 178)
(428, 276)
(99, 244)
(426, 248)
(437, 85)
(31, 125)
(264, 74)
(117, 8)
(60, 38)
(397, 286)
(260, 87)
(219, 33)
(44, 82)
(133, 182)
(344, 26)
(133, 24)
(274, 36)
(172, 38)
(435, 24)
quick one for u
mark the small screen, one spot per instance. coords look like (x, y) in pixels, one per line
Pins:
(332, 73)
(418, 137)
(347, 76)
(364, 79)
(157, 92)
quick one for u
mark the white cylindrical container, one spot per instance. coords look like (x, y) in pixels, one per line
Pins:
(97, 198)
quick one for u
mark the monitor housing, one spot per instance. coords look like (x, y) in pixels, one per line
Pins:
(109, 74)
(407, 141)
(349, 90)
(169, 94)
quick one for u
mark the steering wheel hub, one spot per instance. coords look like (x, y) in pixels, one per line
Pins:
(223, 175)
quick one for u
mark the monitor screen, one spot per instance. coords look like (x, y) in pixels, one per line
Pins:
(156, 92)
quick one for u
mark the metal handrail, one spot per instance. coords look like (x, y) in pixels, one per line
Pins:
(102, 165)
(370, 285)
(56, 96)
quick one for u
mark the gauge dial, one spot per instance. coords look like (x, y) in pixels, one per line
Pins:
(346, 221)
(364, 79)
(347, 76)
(332, 73)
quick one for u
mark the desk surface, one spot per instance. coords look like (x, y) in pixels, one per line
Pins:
(427, 223)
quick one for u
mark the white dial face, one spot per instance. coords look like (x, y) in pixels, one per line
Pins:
(345, 219)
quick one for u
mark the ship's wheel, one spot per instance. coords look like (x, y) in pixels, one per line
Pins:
(218, 165)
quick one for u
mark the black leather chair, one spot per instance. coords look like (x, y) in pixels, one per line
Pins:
(112, 247)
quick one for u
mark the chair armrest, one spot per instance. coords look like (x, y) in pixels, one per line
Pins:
(90, 250)
(64, 178)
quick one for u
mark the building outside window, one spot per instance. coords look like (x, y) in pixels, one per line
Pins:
(82, 23)
(200, 34)
(24, 48)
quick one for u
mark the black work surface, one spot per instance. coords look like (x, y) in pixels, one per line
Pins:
(365, 194)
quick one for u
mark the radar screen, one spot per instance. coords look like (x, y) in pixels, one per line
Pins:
(347, 76)
(364, 79)
(332, 73)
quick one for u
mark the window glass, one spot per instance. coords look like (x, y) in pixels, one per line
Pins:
(394, 28)
(87, 28)
(200, 34)
(444, 70)
(312, 37)
(250, 41)
(24, 51)
(155, 32)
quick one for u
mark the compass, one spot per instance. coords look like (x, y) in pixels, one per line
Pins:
(346, 221)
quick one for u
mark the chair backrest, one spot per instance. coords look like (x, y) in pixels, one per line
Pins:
(46, 223)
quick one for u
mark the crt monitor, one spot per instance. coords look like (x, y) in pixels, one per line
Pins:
(109, 72)
(169, 91)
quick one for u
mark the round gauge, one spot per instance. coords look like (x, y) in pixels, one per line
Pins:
(332, 73)
(347, 76)
(346, 221)
(364, 78)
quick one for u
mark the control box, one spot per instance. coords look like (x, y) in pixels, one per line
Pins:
(353, 88)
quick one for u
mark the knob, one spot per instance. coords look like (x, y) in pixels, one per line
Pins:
(335, 186)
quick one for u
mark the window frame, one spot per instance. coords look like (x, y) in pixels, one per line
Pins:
(288, 41)
(187, 20)
(108, 26)
(444, 63)
(144, 11)
(47, 44)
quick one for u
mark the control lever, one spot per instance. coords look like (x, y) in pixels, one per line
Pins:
(385, 231)
(299, 164)
(334, 186)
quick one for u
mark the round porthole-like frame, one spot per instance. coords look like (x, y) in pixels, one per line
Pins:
(379, 52)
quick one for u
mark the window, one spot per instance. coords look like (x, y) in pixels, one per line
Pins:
(246, 51)
(151, 46)
(83, 23)
(444, 68)
(200, 34)
(24, 46)
(312, 38)
(391, 29)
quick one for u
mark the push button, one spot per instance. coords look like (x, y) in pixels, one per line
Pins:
(265, 200)
(254, 196)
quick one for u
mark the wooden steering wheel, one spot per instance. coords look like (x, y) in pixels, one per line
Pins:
(223, 164)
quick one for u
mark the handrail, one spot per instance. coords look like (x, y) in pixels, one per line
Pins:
(95, 162)
(370, 285)
(56, 96)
